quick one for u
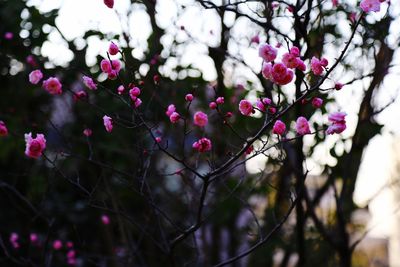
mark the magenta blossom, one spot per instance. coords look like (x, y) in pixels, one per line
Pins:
(108, 123)
(89, 83)
(200, 119)
(245, 107)
(35, 76)
(53, 86)
(370, 5)
(279, 128)
(34, 146)
(202, 145)
(302, 126)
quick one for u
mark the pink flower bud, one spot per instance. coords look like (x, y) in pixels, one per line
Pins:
(109, 3)
(87, 132)
(202, 145)
(317, 102)
(35, 76)
(200, 119)
(220, 100)
(105, 219)
(189, 97)
(212, 105)
(302, 126)
(113, 49)
(108, 123)
(279, 128)
(174, 118)
(3, 129)
(34, 146)
(57, 244)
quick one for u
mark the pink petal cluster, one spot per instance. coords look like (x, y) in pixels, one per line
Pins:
(370, 5)
(255, 39)
(213, 105)
(318, 65)
(317, 102)
(79, 95)
(120, 89)
(338, 123)
(200, 119)
(338, 86)
(71, 257)
(113, 49)
(33, 237)
(14, 240)
(105, 219)
(35, 76)
(220, 100)
(171, 109)
(263, 103)
(53, 86)
(109, 3)
(277, 73)
(3, 129)
(267, 52)
(279, 128)
(108, 123)
(34, 146)
(174, 117)
(134, 93)
(189, 97)
(87, 132)
(302, 126)
(292, 59)
(89, 83)
(57, 244)
(245, 107)
(112, 67)
(202, 145)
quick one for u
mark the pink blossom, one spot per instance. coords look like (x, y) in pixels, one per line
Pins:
(3, 129)
(35, 76)
(245, 107)
(220, 100)
(302, 126)
(108, 123)
(317, 66)
(202, 145)
(33, 237)
(300, 65)
(105, 65)
(34, 146)
(212, 105)
(255, 39)
(109, 3)
(295, 51)
(113, 49)
(70, 244)
(57, 244)
(87, 132)
(281, 75)
(53, 86)
(105, 219)
(14, 240)
(116, 65)
(338, 123)
(249, 150)
(260, 105)
(267, 52)
(229, 114)
(370, 5)
(189, 97)
(175, 117)
(338, 85)
(335, 3)
(158, 139)
(200, 119)
(279, 127)
(267, 71)
(71, 254)
(89, 83)
(112, 75)
(272, 110)
(134, 93)
(79, 95)
(31, 61)
(317, 102)
(171, 109)
(120, 89)
(290, 60)
(137, 102)
(8, 35)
